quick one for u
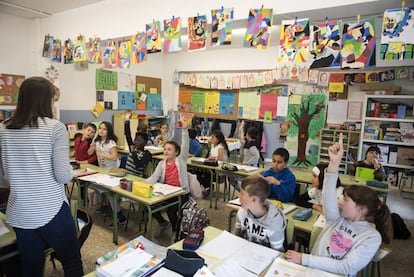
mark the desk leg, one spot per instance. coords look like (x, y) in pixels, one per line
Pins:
(217, 190)
(115, 198)
(212, 188)
(82, 188)
(229, 219)
(149, 222)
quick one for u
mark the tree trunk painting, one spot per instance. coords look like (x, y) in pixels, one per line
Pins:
(306, 115)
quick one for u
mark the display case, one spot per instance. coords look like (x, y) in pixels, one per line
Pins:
(388, 123)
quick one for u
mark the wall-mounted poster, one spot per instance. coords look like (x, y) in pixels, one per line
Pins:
(197, 33)
(227, 100)
(358, 45)
(56, 54)
(68, 51)
(221, 26)
(211, 102)
(294, 41)
(397, 39)
(94, 54)
(139, 48)
(108, 52)
(106, 79)
(9, 88)
(154, 102)
(47, 46)
(259, 28)
(79, 51)
(126, 100)
(197, 101)
(123, 57)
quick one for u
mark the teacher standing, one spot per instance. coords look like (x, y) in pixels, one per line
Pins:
(34, 163)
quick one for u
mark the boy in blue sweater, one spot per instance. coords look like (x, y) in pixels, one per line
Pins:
(281, 180)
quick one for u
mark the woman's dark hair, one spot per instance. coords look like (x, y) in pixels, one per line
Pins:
(110, 133)
(321, 176)
(366, 197)
(221, 140)
(34, 101)
(176, 146)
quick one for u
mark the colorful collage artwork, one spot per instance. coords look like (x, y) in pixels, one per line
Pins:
(123, 58)
(248, 104)
(294, 41)
(94, 54)
(47, 46)
(79, 52)
(139, 48)
(221, 26)
(259, 28)
(397, 40)
(108, 51)
(56, 54)
(153, 37)
(68, 51)
(197, 33)
(358, 45)
(172, 35)
(227, 105)
(326, 42)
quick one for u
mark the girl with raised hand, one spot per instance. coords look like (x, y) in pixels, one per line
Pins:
(348, 241)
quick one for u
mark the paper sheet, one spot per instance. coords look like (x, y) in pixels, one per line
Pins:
(102, 179)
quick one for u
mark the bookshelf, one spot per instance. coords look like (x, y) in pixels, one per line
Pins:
(388, 123)
(351, 140)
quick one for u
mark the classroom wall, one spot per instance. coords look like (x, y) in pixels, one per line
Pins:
(117, 18)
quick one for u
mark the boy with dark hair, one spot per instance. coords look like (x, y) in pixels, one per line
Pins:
(281, 180)
(259, 220)
(195, 146)
(370, 161)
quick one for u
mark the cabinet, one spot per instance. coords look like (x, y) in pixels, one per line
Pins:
(388, 123)
(351, 140)
(152, 123)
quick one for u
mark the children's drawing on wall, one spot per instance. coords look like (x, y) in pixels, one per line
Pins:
(227, 103)
(323, 80)
(153, 37)
(294, 70)
(193, 80)
(139, 48)
(303, 74)
(358, 45)
(326, 44)
(221, 83)
(172, 35)
(68, 51)
(123, 58)
(197, 33)
(214, 82)
(207, 81)
(294, 41)
(109, 54)
(197, 101)
(284, 73)
(259, 28)
(306, 116)
(236, 82)
(79, 50)
(284, 130)
(56, 54)
(221, 26)
(47, 46)
(9, 88)
(211, 102)
(94, 54)
(397, 39)
(244, 81)
(126, 82)
(276, 75)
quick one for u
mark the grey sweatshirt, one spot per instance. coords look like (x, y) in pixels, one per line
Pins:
(343, 247)
(268, 230)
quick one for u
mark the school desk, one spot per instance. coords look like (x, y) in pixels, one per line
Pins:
(154, 150)
(215, 171)
(304, 175)
(152, 205)
(7, 239)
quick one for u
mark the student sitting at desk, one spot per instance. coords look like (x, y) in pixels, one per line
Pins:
(348, 241)
(281, 180)
(83, 141)
(195, 146)
(167, 132)
(251, 148)
(371, 161)
(173, 171)
(313, 197)
(140, 128)
(258, 220)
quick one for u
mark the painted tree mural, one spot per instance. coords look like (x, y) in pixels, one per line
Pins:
(306, 115)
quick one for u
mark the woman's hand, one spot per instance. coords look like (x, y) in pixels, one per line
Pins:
(293, 257)
(335, 152)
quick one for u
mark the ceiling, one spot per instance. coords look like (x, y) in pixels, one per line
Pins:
(41, 8)
(44, 8)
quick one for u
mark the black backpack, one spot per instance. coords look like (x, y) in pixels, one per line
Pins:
(400, 229)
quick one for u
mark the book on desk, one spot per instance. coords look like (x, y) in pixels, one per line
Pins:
(101, 179)
(84, 172)
(164, 189)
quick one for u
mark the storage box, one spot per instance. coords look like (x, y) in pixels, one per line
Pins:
(404, 154)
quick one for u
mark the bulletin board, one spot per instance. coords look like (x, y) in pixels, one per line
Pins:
(148, 93)
(9, 88)
(212, 93)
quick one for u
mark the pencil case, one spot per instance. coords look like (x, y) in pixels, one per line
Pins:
(377, 184)
(302, 214)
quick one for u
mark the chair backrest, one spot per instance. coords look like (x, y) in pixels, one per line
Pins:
(123, 161)
(148, 170)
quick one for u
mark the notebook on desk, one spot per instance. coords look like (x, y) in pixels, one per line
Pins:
(365, 173)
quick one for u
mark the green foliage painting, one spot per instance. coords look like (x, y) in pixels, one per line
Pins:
(306, 116)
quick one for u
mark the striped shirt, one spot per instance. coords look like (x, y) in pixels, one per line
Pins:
(136, 166)
(35, 162)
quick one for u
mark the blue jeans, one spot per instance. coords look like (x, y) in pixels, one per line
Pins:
(59, 234)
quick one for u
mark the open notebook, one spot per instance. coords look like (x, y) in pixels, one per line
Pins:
(164, 189)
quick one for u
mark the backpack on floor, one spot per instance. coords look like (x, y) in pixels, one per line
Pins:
(400, 229)
(192, 217)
